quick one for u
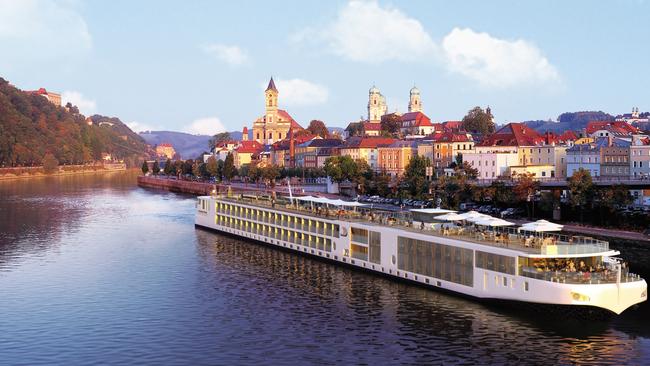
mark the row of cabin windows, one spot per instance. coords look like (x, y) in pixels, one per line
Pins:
(273, 232)
(280, 219)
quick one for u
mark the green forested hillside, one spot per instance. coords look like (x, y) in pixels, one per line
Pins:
(30, 127)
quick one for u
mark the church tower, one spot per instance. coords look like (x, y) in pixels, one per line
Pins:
(415, 103)
(376, 105)
(271, 96)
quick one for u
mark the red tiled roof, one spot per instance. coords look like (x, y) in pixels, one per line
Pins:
(367, 142)
(371, 126)
(249, 147)
(284, 143)
(452, 125)
(567, 136)
(165, 144)
(616, 127)
(513, 134)
(452, 137)
(420, 119)
(285, 115)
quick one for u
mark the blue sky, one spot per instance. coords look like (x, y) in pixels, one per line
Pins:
(201, 66)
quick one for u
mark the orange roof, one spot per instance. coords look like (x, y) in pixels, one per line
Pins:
(367, 142)
(452, 137)
(513, 134)
(249, 147)
(420, 119)
(616, 127)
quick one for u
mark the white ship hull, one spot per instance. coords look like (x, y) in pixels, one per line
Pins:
(503, 285)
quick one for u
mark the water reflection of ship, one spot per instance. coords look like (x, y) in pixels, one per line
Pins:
(437, 327)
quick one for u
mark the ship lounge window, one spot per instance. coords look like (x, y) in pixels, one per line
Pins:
(495, 262)
(359, 252)
(359, 235)
(526, 286)
(447, 262)
(375, 247)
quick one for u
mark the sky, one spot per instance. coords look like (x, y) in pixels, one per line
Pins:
(202, 66)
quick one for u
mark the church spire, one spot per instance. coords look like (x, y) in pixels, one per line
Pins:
(271, 85)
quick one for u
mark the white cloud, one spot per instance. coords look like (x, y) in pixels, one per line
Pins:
(232, 55)
(205, 126)
(494, 62)
(367, 32)
(136, 126)
(41, 30)
(300, 92)
(86, 106)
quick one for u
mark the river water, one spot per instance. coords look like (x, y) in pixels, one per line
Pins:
(94, 270)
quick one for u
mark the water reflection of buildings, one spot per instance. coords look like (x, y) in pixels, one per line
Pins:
(370, 315)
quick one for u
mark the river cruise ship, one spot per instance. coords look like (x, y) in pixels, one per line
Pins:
(469, 254)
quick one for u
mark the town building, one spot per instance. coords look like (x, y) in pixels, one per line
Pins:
(584, 156)
(245, 152)
(313, 153)
(447, 146)
(640, 156)
(54, 98)
(280, 151)
(166, 150)
(365, 148)
(393, 158)
(615, 158)
(492, 164)
(596, 129)
(416, 124)
(274, 125)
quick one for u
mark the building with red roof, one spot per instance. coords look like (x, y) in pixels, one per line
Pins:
(54, 98)
(244, 152)
(365, 148)
(165, 149)
(416, 123)
(280, 150)
(393, 159)
(448, 145)
(597, 129)
(275, 124)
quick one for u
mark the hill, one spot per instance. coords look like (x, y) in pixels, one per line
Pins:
(187, 145)
(30, 127)
(570, 121)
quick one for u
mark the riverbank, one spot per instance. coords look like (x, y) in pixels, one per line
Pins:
(37, 172)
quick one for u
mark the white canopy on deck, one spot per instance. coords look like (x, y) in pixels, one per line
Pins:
(433, 211)
(329, 201)
(452, 216)
(493, 221)
(541, 226)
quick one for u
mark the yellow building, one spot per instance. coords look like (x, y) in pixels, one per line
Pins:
(165, 149)
(274, 125)
(365, 148)
(394, 158)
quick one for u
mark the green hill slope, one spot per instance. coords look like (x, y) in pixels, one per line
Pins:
(30, 127)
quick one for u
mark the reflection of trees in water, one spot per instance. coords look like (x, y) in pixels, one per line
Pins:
(376, 318)
(36, 213)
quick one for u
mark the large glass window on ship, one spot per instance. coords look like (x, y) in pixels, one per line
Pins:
(446, 262)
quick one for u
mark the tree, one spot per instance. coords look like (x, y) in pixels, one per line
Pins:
(525, 189)
(155, 168)
(355, 129)
(168, 167)
(217, 139)
(581, 190)
(212, 167)
(333, 169)
(318, 128)
(612, 197)
(253, 172)
(50, 163)
(391, 123)
(415, 176)
(269, 174)
(188, 166)
(229, 170)
(145, 168)
(478, 121)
